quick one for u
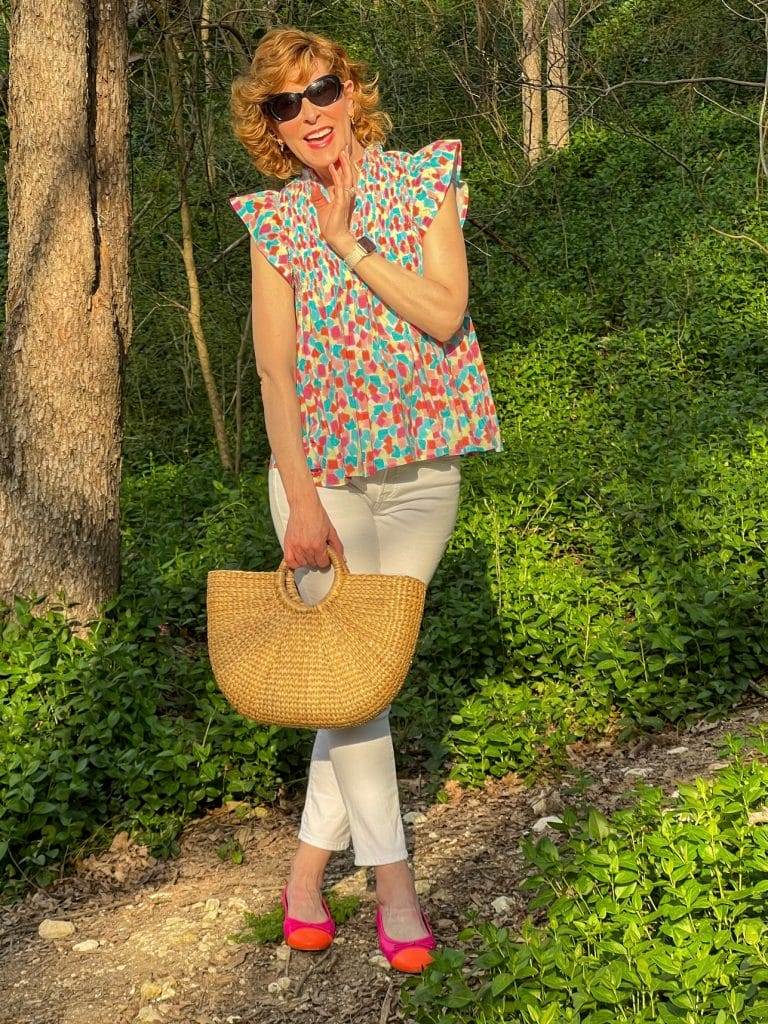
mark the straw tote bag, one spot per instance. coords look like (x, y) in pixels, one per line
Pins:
(333, 664)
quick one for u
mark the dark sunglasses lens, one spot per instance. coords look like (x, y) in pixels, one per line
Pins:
(324, 91)
(284, 107)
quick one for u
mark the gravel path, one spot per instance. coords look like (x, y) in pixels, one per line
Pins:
(149, 940)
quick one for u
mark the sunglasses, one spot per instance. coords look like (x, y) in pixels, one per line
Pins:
(284, 106)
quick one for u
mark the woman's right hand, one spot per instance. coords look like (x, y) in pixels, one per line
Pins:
(307, 534)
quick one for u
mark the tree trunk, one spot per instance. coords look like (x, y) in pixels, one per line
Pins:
(558, 123)
(207, 118)
(195, 311)
(530, 64)
(68, 312)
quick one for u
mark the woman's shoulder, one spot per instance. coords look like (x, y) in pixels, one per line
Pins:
(438, 151)
(270, 210)
(267, 197)
(428, 172)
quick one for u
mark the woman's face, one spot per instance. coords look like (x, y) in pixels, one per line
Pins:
(311, 120)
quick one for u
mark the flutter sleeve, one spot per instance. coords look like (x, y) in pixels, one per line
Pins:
(433, 168)
(261, 215)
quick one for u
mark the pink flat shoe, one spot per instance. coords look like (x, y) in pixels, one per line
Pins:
(307, 935)
(410, 955)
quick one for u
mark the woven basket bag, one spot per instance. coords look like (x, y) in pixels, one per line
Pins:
(330, 665)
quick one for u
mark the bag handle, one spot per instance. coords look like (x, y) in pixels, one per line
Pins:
(289, 592)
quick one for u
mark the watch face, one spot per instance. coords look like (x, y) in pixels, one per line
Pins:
(367, 244)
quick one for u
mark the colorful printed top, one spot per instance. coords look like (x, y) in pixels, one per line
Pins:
(374, 390)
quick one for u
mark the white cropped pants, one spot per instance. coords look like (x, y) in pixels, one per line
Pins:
(398, 521)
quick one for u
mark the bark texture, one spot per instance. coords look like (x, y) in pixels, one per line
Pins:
(530, 65)
(558, 123)
(68, 309)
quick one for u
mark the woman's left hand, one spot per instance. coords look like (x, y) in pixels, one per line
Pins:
(334, 216)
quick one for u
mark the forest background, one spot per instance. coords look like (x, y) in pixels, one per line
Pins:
(607, 572)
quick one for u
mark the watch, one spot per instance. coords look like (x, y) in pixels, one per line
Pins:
(362, 247)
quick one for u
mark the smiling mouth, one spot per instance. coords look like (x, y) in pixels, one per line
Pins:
(319, 142)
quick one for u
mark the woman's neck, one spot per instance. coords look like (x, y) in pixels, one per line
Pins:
(356, 157)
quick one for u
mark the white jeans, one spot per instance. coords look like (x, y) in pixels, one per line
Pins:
(398, 521)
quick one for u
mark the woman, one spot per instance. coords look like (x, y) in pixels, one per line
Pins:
(373, 388)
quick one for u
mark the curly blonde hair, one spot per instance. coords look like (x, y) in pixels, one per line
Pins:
(283, 52)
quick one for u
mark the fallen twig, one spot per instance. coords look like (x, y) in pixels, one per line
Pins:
(385, 1006)
(313, 968)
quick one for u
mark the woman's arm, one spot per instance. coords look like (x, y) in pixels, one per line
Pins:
(309, 529)
(435, 299)
(274, 344)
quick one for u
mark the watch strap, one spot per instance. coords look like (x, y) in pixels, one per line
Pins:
(362, 247)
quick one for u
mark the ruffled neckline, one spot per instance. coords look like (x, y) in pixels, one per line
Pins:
(370, 152)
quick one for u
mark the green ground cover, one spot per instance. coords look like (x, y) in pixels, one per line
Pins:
(657, 914)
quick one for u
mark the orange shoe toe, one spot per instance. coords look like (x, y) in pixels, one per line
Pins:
(412, 959)
(309, 938)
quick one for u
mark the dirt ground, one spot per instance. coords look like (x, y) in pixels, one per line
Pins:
(156, 934)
